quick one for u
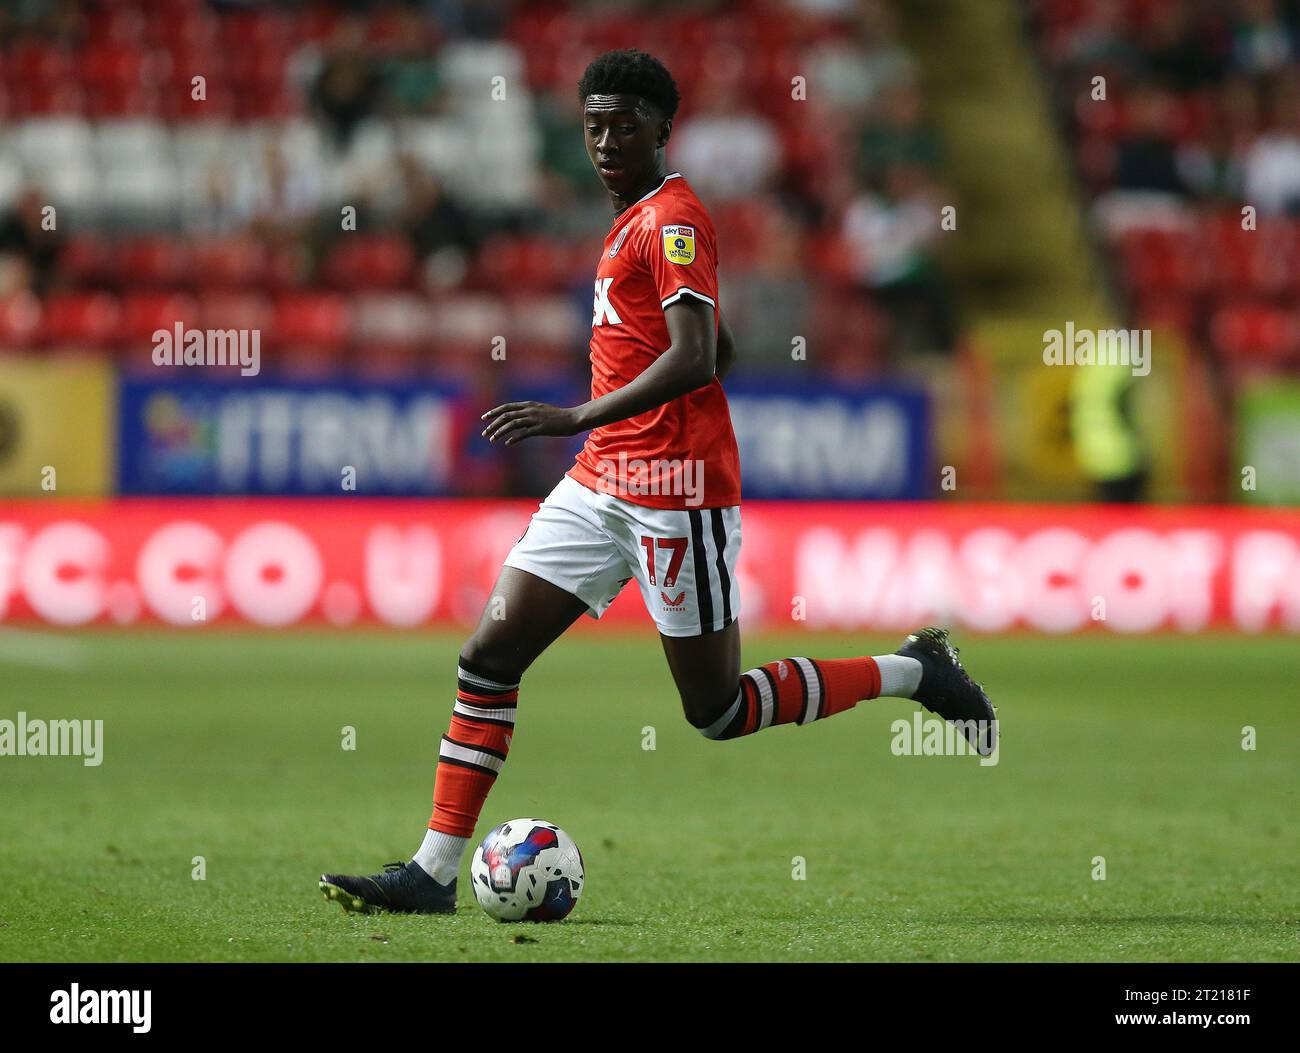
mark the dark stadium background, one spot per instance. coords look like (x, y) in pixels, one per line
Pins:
(908, 197)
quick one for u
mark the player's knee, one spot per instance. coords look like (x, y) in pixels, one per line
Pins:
(487, 662)
(712, 715)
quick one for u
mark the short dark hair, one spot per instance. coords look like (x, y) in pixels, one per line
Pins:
(631, 72)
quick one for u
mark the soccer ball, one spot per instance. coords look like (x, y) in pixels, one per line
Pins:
(527, 870)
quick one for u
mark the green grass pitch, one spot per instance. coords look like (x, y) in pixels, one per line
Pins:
(228, 746)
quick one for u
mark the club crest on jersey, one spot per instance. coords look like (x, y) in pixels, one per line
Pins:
(618, 242)
(679, 244)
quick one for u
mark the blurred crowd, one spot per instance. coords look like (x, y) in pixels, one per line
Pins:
(390, 186)
(1185, 120)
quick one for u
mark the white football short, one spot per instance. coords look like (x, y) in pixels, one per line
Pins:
(592, 544)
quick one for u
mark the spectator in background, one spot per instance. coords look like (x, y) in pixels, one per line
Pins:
(1272, 165)
(410, 74)
(1262, 42)
(279, 197)
(768, 293)
(896, 134)
(1102, 44)
(725, 149)
(849, 73)
(1146, 158)
(563, 153)
(1147, 185)
(892, 235)
(440, 229)
(1211, 167)
(29, 245)
(1179, 55)
(347, 87)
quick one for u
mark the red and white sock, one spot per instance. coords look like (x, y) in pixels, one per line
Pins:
(801, 690)
(472, 753)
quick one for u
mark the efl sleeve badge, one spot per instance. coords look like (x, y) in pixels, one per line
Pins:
(679, 244)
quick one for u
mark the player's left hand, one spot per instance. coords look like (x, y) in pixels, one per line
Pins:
(515, 421)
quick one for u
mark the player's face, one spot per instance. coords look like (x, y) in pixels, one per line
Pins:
(623, 137)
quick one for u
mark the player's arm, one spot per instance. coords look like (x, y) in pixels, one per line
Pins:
(689, 363)
(726, 349)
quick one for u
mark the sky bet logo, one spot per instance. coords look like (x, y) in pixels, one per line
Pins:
(76, 1006)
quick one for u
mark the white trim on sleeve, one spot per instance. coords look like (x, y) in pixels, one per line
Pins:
(687, 291)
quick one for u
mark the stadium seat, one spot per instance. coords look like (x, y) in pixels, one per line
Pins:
(1163, 262)
(88, 259)
(313, 319)
(1254, 337)
(81, 319)
(370, 261)
(153, 261)
(382, 319)
(20, 320)
(57, 152)
(238, 310)
(137, 166)
(143, 313)
(232, 262)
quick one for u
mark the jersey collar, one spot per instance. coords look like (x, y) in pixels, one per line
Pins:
(628, 211)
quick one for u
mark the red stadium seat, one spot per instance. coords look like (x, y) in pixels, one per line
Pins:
(108, 65)
(153, 261)
(117, 25)
(1167, 312)
(1256, 336)
(1163, 262)
(20, 320)
(113, 100)
(525, 264)
(313, 319)
(233, 262)
(257, 30)
(182, 24)
(143, 313)
(38, 63)
(86, 260)
(370, 261)
(831, 258)
(1249, 262)
(48, 98)
(238, 310)
(81, 319)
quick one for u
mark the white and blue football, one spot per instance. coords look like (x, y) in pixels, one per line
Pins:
(527, 870)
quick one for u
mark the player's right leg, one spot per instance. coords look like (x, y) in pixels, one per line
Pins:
(564, 565)
(492, 662)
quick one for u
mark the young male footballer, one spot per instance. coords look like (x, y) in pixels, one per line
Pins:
(654, 495)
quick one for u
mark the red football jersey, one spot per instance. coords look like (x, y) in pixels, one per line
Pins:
(681, 454)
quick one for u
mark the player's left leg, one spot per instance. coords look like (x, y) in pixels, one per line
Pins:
(724, 703)
(686, 563)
